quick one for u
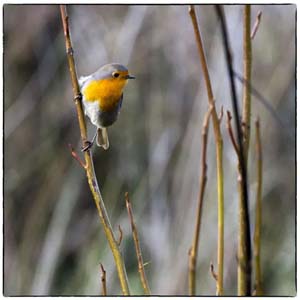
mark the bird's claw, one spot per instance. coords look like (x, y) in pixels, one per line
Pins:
(87, 147)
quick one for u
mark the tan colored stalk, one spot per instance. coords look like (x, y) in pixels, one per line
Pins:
(203, 179)
(244, 260)
(258, 212)
(138, 251)
(103, 280)
(219, 150)
(89, 166)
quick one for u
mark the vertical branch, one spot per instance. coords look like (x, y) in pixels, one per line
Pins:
(258, 212)
(244, 249)
(89, 166)
(203, 179)
(244, 280)
(247, 53)
(142, 273)
(103, 280)
(219, 150)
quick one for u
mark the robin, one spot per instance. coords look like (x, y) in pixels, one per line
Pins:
(102, 96)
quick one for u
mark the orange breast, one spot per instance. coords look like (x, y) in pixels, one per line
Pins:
(106, 91)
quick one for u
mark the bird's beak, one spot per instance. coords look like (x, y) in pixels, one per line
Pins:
(129, 77)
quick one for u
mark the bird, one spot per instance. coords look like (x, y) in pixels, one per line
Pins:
(102, 97)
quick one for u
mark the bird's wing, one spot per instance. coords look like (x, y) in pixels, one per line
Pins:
(120, 102)
(83, 79)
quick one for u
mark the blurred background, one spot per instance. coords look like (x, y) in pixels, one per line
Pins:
(53, 240)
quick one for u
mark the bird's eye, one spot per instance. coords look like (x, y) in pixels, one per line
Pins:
(115, 74)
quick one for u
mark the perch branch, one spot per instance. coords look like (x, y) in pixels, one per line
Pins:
(89, 166)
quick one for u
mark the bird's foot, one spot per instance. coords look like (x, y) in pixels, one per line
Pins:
(88, 146)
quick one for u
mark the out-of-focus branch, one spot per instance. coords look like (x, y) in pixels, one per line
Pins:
(219, 150)
(89, 166)
(244, 257)
(256, 25)
(213, 273)
(258, 213)
(76, 157)
(137, 247)
(120, 236)
(247, 53)
(203, 179)
(244, 253)
(103, 280)
(230, 131)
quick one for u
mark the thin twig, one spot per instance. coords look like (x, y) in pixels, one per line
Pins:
(203, 179)
(247, 59)
(120, 236)
(258, 213)
(92, 180)
(103, 280)
(213, 273)
(256, 25)
(221, 114)
(219, 150)
(230, 131)
(244, 234)
(76, 157)
(142, 273)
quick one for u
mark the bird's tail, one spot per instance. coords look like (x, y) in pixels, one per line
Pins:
(102, 138)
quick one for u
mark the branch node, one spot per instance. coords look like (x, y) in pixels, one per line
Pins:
(70, 51)
(103, 280)
(78, 97)
(146, 263)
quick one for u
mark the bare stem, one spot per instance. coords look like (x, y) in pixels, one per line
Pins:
(203, 179)
(244, 251)
(219, 150)
(244, 265)
(230, 131)
(256, 25)
(142, 273)
(246, 111)
(103, 280)
(258, 212)
(120, 236)
(89, 166)
(213, 273)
